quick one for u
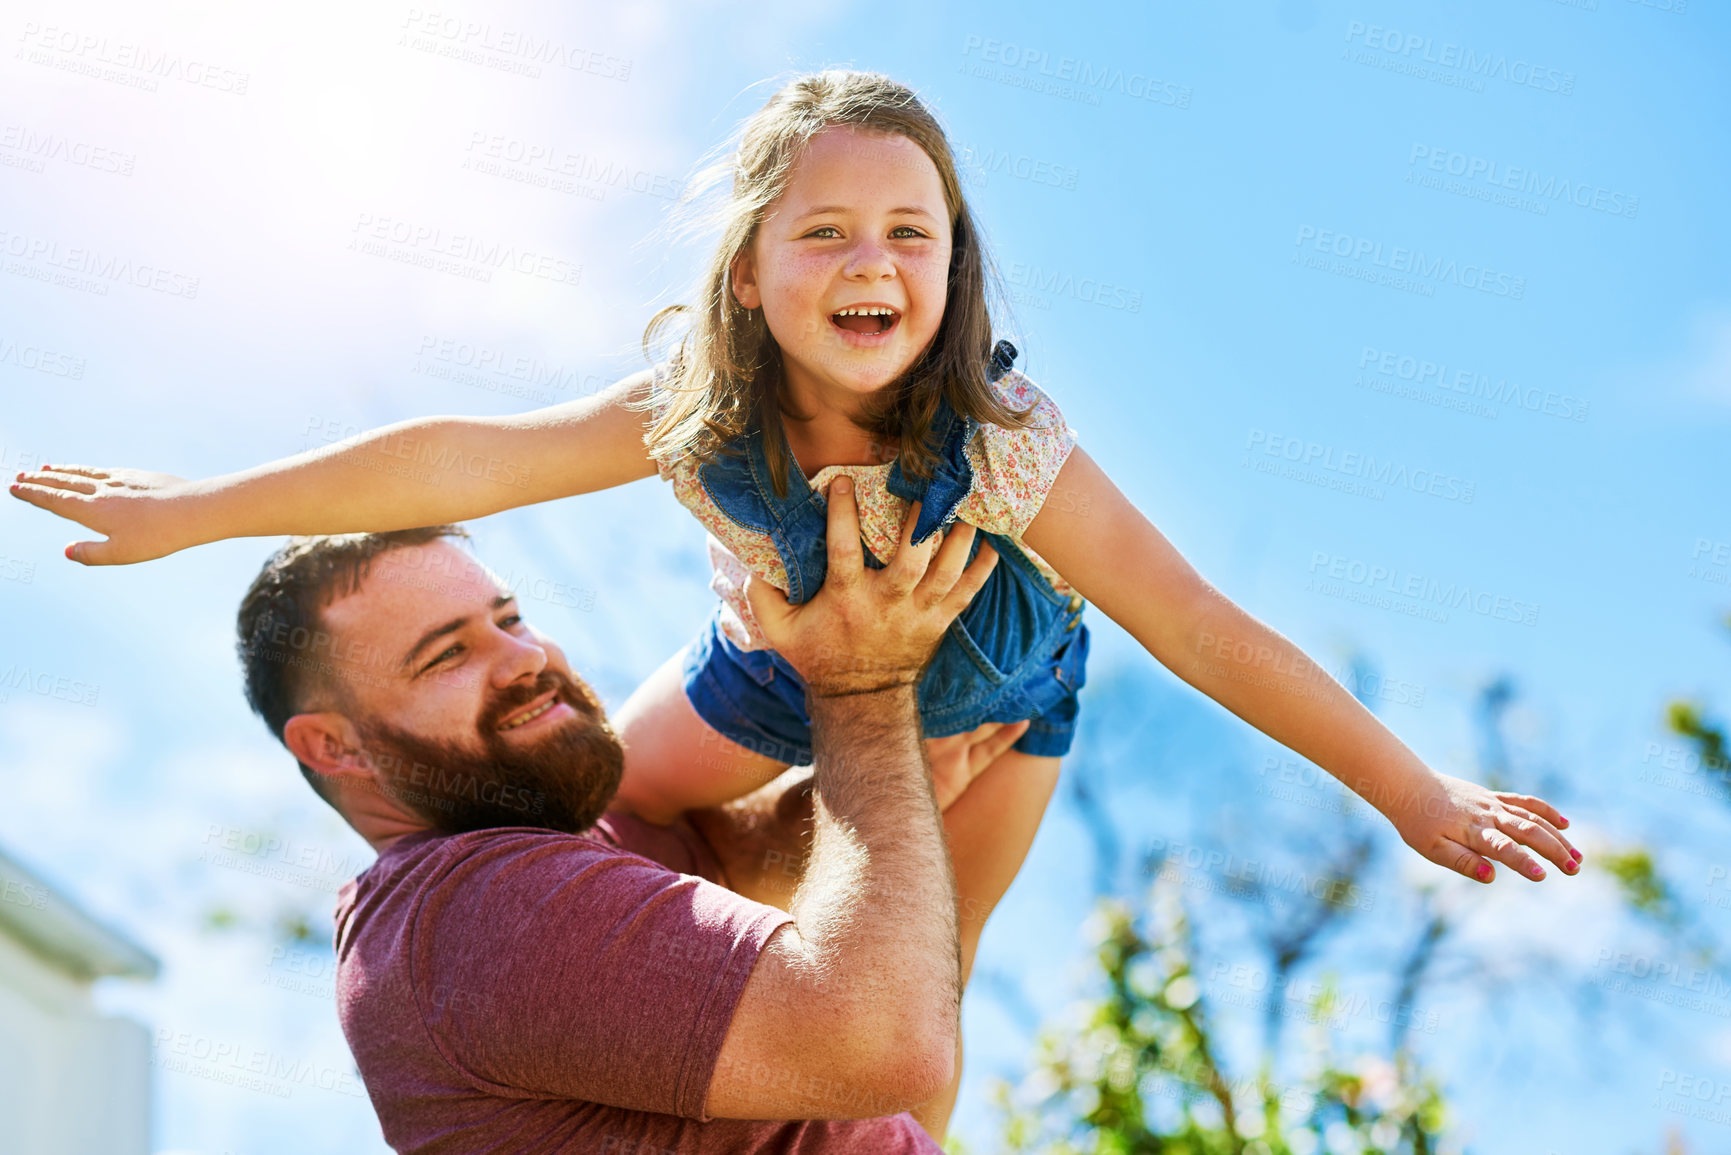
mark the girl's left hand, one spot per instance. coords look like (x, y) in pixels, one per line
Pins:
(1463, 825)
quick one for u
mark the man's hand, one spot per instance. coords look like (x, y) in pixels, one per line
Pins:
(957, 760)
(869, 630)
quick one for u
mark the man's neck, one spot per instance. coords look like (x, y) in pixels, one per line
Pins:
(377, 819)
(380, 844)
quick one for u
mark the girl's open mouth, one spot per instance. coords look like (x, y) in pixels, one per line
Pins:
(866, 320)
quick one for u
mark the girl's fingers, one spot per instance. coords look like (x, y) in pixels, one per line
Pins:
(1499, 846)
(1463, 860)
(58, 501)
(80, 470)
(58, 480)
(74, 507)
(1538, 806)
(92, 553)
(1541, 836)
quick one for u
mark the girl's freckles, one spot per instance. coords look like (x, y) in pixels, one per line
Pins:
(933, 268)
(803, 264)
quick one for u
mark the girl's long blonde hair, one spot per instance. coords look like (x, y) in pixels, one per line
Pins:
(727, 368)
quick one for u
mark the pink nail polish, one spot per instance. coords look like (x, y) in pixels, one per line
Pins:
(1576, 853)
(1484, 870)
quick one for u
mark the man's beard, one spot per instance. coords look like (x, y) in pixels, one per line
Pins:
(564, 782)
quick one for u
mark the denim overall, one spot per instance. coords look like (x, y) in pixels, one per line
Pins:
(1018, 651)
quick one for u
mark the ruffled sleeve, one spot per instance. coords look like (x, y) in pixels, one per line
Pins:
(1014, 469)
(660, 398)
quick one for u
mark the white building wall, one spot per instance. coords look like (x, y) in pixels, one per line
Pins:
(72, 1081)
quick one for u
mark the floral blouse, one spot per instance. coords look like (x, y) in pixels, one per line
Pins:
(1014, 470)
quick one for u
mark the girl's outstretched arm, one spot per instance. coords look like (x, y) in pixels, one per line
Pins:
(422, 472)
(1114, 557)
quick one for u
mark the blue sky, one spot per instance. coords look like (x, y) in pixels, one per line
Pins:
(1305, 277)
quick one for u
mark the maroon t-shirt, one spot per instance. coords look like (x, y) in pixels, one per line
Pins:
(520, 990)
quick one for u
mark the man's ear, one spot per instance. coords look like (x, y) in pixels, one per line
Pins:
(742, 278)
(329, 743)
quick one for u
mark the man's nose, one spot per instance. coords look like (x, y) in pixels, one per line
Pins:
(516, 658)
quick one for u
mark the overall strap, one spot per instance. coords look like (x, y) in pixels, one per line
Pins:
(738, 481)
(941, 494)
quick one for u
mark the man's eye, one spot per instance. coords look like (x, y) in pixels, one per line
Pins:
(511, 620)
(447, 653)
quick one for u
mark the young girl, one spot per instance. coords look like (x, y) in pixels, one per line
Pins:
(843, 332)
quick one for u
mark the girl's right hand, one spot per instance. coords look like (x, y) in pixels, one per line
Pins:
(143, 515)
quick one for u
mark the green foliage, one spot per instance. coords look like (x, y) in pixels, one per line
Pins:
(1137, 1069)
(1686, 719)
(1642, 886)
(220, 918)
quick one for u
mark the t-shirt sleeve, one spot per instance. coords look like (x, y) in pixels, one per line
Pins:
(560, 967)
(1014, 469)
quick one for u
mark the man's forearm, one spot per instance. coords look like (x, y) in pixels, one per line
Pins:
(877, 898)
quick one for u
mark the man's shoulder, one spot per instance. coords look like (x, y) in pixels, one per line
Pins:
(429, 859)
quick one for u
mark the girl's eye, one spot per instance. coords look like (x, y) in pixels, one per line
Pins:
(911, 233)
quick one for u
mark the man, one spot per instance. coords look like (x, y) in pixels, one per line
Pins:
(522, 970)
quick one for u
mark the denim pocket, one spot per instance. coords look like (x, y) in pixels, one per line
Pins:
(959, 673)
(1011, 617)
(1003, 637)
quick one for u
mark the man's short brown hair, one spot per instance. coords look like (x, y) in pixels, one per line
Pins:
(285, 649)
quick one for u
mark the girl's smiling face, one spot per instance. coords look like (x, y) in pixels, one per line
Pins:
(862, 224)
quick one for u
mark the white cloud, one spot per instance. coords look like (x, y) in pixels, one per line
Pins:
(1707, 372)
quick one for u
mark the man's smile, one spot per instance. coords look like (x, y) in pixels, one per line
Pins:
(547, 706)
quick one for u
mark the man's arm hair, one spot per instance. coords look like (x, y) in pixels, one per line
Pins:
(852, 1009)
